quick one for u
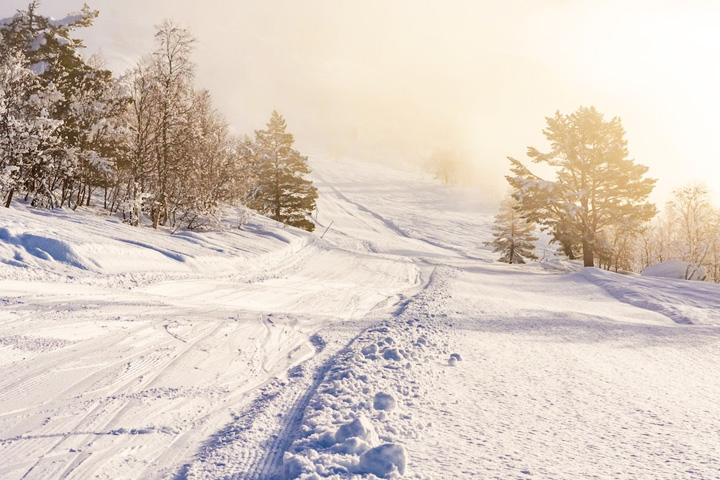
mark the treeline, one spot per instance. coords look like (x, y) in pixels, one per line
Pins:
(687, 229)
(596, 207)
(150, 144)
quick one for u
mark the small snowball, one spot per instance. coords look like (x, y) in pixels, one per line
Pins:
(452, 362)
(381, 461)
(384, 401)
(370, 350)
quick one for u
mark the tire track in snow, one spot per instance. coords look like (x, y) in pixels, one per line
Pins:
(238, 451)
(411, 339)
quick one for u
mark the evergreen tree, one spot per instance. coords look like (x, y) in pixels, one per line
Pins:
(513, 234)
(596, 185)
(281, 192)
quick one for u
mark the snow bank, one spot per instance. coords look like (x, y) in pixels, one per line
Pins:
(58, 245)
(676, 269)
(688, 303)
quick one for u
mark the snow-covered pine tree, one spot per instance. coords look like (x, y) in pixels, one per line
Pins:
(281, 192)
(513, 234)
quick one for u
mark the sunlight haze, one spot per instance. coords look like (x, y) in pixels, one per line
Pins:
(393, 81)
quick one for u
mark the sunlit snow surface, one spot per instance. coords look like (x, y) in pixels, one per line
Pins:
(394, 343)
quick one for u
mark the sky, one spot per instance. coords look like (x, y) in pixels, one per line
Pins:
(394, 80)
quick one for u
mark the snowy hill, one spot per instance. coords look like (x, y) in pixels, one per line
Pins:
(392, 346)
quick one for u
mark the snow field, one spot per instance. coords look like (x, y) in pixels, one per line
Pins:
(393, 347)
(590, 388)
(99, 361)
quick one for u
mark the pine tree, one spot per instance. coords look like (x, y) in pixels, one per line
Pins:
(513, 234)
(596, 185)
(281, 192)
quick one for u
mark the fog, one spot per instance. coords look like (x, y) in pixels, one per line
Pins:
(395, 80)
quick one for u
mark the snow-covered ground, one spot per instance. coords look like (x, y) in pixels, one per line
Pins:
(394, 345)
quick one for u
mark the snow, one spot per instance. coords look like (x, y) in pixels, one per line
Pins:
(395, 346)
(675, 269)
(383, 460)
(384, 401)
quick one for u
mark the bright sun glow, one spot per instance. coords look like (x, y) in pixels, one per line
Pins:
(666, 57)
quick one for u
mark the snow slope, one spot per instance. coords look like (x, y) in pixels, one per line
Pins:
(393, 346)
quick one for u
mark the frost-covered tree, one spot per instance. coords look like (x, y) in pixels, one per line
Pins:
(596, 185)
(687, 230)
(136, 171)
(181, 165)
(85, 108)
(96, 109)
(28, 136)
(172, 73)
(209, 176)
(514, 238)
(281, 192)
(693, 216)
(48, 44)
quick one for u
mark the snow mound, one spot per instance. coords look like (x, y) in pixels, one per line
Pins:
(687, 303)
(676, 269)
(43, 248)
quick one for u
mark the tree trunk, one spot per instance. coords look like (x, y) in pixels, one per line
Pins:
(587, 254)
(9, 198)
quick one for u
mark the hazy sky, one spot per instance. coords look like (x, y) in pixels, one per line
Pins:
(396, 79)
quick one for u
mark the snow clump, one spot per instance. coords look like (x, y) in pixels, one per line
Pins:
(383, 460)
(384, 401)
(360, 428)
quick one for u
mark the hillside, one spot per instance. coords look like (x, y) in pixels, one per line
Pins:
(395, 339)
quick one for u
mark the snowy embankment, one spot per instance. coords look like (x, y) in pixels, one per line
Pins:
(392, 347)
(683, 301)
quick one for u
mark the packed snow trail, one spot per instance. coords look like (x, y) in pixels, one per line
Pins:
(394, 344)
